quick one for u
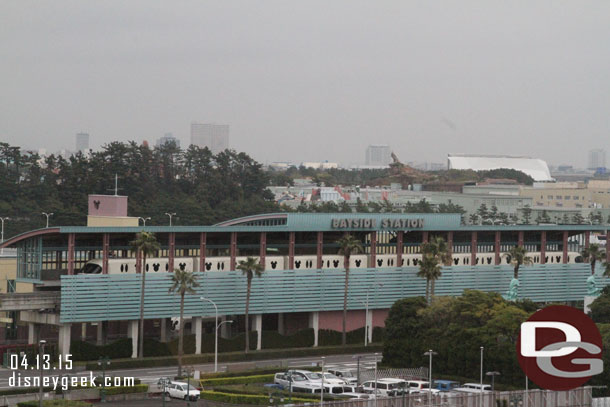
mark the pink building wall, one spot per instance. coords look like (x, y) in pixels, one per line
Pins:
(107, 205)
(355, 319)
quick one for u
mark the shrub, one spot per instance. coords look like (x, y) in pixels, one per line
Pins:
(237, 380)
(54, 403)
(243, 398)
(138, 388)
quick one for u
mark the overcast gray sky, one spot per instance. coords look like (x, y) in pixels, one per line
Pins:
(312, 80)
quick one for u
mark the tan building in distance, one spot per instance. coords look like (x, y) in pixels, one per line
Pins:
(570, 195)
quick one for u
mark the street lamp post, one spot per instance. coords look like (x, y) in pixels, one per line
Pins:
(48, 215)
(189, 371)
(170, 214)
(144, 220)
(216, 328)
(376, 392)
(357, 368)
(322, 384)
(430, 353)
(493, 376)
(366, 313)
(2, 235)
(41, 344)
(481, 389)
(103, 362)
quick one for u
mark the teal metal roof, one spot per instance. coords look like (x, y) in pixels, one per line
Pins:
(87, 298)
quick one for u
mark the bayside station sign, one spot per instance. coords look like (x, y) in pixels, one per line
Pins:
(370, 223)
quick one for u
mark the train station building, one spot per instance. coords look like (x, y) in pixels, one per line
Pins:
(76, 282)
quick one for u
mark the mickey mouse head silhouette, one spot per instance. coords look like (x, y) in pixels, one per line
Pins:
(208, 266)
(273, 264)
(156, 266)
(336, 263)
(456, 261)
(358, 262)
(415, 261)
(297, 264)
(182, 266)
(379, 262)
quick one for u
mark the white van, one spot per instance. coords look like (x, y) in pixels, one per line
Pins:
(473, 388)
(385, 387)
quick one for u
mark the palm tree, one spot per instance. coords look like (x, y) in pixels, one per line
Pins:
(518, 257)
(145, 244)
(250, 268)
(437, 247)
(348, 244)
(435, 254)
(430, 269)
(183, 282)
(594, 253)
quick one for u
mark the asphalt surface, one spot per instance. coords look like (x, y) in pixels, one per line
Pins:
(150, 376)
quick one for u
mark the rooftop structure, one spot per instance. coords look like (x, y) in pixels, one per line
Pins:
(535, 168)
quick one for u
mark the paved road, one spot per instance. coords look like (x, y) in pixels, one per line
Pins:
(151, 375)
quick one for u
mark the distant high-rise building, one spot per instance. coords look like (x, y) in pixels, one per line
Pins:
(597, 159)
(168, 138)
(82, 141)
(210, 135)
(378, 155)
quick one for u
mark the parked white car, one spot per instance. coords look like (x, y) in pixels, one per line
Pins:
(331, 378)
(473, 388)
(184, 391)
(386, 386)
(354, 395)
(420, 386)
(296, 381)
(348, 375)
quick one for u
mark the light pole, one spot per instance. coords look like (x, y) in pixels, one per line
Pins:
(48, 215)
(357, 368)
(41, 344)
(103, 362)
(322, 384)
(170, 214)
(376, 393)
(430, 353)
(481, 389)
(366, 313)
(2, 235)
(143, 220)
(493, 376)
(189, 371)
(216, 327)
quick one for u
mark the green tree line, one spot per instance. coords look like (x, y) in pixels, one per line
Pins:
(200, 187)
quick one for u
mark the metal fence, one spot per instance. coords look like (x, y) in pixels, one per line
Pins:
(580, 397)
(420, 373)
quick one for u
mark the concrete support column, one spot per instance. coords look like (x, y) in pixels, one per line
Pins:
(83, 331)
(101, 335)
(163, 330)
(399, 248)
(171, 252)
(587, 239)
(198, 334)
(280, 324)
(258, 326)
(202, 247)
(132, 332)
(263, 248)
(369, 325)
(33, 333)
(291, 245)
(497, 244)
(565, 247)
(319, 249)
(224, 328)
(473, 249)
(425, 237)
(314, 322)
(71, 244)
(450, 243)
(373, 250)
(233, 250)
(105, 252)
(543, 247)
(63, 344)
(521, 238)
